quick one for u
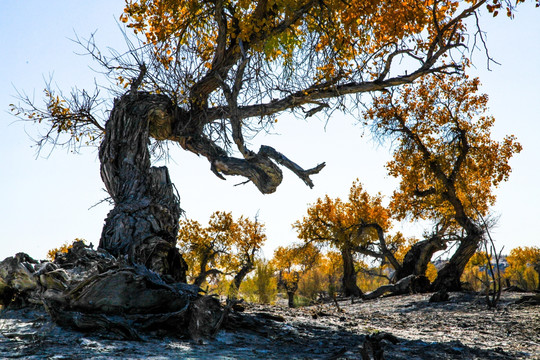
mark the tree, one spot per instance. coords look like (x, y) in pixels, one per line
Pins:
(447, 163)
(225, 247)
(416, 259)
(355, 226)
(290, 263)
(207, 249)
(523, 262)
(360, 227)
(207, 74)
(247, 242)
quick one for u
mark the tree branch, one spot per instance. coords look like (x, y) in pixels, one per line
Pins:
(317, 92)
(283, 160)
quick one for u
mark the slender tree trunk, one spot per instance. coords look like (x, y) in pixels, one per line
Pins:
(349, 274)
(449, 277)
(290, 297)
(418, 257)
(239, 277)
(144, 222)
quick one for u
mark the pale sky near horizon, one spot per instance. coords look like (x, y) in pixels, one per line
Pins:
(47, 201)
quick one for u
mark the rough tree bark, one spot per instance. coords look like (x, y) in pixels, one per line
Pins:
(90, 290)
(449, 277)
(350, 288)
(144, 222)
(418, 257)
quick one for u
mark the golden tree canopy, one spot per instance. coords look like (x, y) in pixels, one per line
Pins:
(444, 154)
(339, 224)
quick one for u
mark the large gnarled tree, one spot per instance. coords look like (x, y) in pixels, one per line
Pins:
(211, 73)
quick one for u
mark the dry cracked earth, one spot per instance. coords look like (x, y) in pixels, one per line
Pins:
(461, 328)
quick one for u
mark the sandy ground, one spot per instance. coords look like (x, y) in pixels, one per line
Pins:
(462, 328)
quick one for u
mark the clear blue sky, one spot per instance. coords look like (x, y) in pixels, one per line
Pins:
(46, 201)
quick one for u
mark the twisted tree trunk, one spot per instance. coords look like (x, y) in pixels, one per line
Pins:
(449, 277)
(418, 257)
(239, 277)
(144, 222)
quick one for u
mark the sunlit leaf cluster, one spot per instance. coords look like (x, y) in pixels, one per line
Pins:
(524, 267)
(341, 33)
(221, 247)
(344, 224)
(444, 153)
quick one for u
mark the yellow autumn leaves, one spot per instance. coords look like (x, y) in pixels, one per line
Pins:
(443, 143)
(221, 247)
(343, 35)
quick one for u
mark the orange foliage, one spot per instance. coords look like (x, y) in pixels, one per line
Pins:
(222, 247)
(340, 39)
(212, 56)
(339, 224)
(291, 262)
(445, 157)
(475, 274)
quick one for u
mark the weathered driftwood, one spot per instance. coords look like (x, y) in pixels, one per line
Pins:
(18, 285)
(90, 290)
(529, 299)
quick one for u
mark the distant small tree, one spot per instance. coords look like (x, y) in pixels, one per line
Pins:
(524, 267)
(290, 263)
(206, 249)
(225, 247)
(350, 227)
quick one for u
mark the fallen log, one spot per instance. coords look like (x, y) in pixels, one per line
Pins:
(407, 285)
